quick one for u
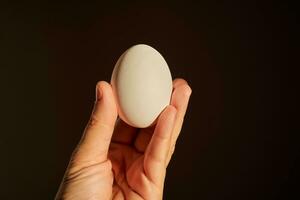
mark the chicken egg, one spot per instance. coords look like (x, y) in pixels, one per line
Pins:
(142, 85)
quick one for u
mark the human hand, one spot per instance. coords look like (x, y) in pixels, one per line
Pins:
(116, 161)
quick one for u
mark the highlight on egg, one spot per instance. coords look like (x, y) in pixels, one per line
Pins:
(142, 85)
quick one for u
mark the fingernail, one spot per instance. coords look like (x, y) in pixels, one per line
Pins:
(98, 93)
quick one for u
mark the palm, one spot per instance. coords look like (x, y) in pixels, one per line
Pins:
(121, 166)
(127, 156)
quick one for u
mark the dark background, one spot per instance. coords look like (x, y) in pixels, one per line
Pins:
(234, 143)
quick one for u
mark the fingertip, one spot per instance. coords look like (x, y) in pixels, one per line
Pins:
(105, 98)
(178, 82)
(105, 90)
(180, 95)
(101, 88)
(183, 85)
(102, 83)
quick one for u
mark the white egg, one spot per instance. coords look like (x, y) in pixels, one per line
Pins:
(142, 85)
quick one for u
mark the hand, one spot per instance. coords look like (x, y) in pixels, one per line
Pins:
(116, 161)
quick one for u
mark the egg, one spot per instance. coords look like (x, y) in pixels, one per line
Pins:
(142, 85)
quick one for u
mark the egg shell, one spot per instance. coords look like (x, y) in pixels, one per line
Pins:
(142, 85)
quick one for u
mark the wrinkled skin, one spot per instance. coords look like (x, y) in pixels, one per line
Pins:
(116, 161)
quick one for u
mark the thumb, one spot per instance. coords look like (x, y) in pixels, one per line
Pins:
(94, 144)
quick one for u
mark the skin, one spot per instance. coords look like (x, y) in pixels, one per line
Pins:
(116, 161)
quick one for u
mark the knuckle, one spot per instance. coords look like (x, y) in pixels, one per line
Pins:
(93, 121)
(96, 122)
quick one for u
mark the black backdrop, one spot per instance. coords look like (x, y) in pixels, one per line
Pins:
(233, 144)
